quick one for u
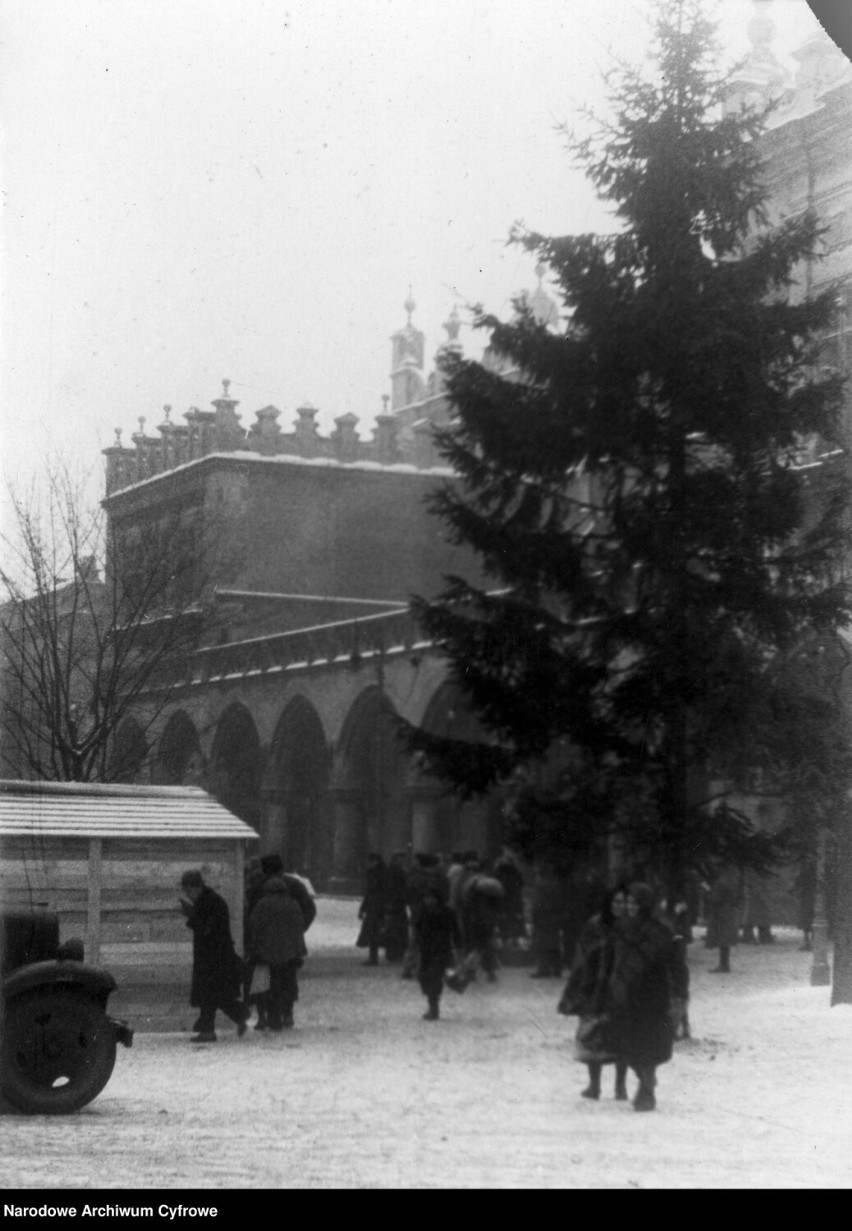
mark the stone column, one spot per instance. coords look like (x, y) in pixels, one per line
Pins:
(425, 835)
(348, 840)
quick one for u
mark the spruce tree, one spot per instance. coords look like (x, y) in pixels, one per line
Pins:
(634, 485)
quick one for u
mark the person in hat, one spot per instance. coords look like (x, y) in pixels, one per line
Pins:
(438, 936)
(216, 968)
(276, 940)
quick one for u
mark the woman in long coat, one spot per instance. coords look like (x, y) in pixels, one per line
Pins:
(724, 900)
(586, 993)
(645, 977)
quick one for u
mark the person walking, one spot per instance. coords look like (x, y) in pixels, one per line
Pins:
(585, 995)
(426, 875)
(276, 940)
(479, 910)
(373, 907)
(644, 979)
(757, 916)
(512, 924)
(396, 908)
(724, 901)
(481, 907)
(438, 937)
(216, 968)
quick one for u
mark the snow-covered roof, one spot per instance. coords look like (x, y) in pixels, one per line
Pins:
(90, 810)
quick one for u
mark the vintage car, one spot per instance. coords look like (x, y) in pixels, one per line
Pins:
(58, 1044)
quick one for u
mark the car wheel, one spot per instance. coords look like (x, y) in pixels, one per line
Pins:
(58, 1051)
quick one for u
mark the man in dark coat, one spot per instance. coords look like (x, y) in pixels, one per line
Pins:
(426, 876)
(396, 910)
(724, 902)
(373, 908)
(437, 935)
(276, 939)
(216, 969)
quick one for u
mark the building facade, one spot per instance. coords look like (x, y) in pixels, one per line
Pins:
(307, 657)
(288, 707)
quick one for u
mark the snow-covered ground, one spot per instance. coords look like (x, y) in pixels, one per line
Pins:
(364, 1093)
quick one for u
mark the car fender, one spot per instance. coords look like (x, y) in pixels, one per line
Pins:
(95, 983)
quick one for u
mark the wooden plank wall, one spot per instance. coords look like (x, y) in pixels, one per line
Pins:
(121, 896)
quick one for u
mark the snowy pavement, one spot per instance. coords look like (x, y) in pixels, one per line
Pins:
(365, 1094)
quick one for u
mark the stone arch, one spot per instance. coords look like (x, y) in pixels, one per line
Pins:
(372, 810)
(129, 752)
(441, 819)
(296, 792)
(236, 764)
(179, 760)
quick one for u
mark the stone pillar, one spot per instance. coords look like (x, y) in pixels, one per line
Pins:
(273, 821)
(425, 834)
(347, 841)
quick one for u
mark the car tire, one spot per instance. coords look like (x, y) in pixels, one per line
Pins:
(58, 1051)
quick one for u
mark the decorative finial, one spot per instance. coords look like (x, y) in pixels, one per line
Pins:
(409, 305)
(453, 324)
(226, 384)
(141, 422)
(118, 437)
(167, 410)
(385, 400)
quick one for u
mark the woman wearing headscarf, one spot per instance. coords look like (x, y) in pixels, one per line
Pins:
(645, 976)
(586, 994)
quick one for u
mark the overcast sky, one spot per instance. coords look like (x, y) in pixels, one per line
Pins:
(198, 189)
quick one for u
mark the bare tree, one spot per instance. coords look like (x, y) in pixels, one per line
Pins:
(91, 620)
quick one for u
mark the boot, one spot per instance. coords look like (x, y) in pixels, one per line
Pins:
(620, 1083)
(645, 1100)
(432, 1013)
(593, 1089)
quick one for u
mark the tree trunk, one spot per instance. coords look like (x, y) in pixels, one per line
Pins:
(841, 988)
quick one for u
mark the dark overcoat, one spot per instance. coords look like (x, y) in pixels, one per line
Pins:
(373, 907)
(586, 991)
(276, 927)
(298, 891)
(724, 901)
(216, 969)
(438, 934)
(396, 911)
(640, 989)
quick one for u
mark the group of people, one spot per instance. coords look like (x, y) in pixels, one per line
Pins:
(628, 983)
(279, 909)
(441, 914)
(628, 986)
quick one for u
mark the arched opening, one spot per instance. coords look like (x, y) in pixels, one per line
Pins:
(129, 752)
(443, 821)
(179, 758)
(297, 793)
(372, 808)
(235, 765)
